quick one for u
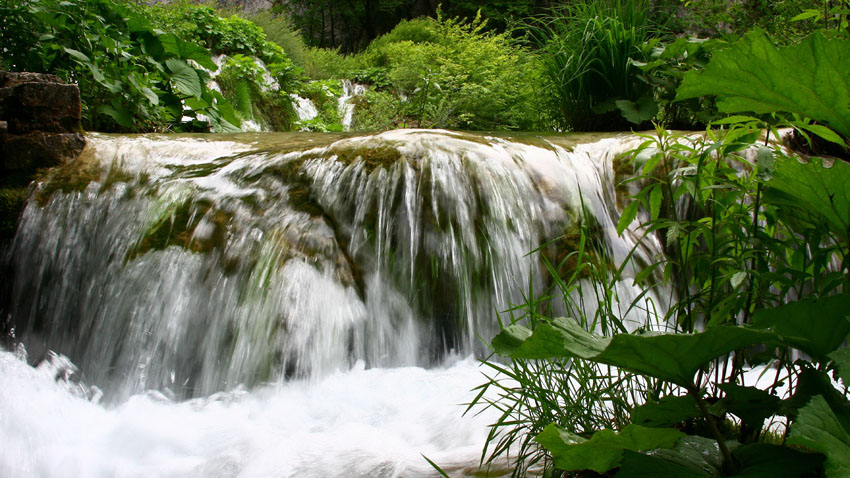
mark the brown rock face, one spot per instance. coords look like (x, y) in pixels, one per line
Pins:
(39, 122)
(34, 150)
(48, 107)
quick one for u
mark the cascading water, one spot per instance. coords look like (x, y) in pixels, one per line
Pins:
(304, 108)
(344, 104)
(277, 304)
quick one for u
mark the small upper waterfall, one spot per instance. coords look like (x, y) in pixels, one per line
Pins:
(345, 106)
(304, 108)
(193, 265)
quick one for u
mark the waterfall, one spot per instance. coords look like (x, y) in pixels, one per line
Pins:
(304, 108)
(344, 104)
(228, 282)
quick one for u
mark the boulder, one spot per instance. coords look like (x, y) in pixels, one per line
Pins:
(36, 149)
(39, 122)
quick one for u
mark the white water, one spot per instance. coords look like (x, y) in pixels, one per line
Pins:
(306, 313)
(344, 104)
(359, 423)
(304, 108)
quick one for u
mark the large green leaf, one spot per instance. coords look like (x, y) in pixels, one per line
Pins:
(184, 50)
(671, 357)
(604, 450)
(818, 428)
(120, 115)
(640, 465)
(841, 357)
(761, 460)
(811, 79)
(666, 412)
(752, 405)
(186, 80)
(815, 326)
(813, 189)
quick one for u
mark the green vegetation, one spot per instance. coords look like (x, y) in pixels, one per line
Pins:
(132, 76)
(754, 276)
(450, 74)
(589, 51)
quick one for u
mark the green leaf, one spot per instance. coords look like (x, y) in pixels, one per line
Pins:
(78, 55)
(121, 116)
(752, 405)
(184, 50)
(629, 214)
(671, 357)
(150, 95)
(185, 78)
(813, 189)
(821, 131)
(655, 196)
(841, 357)
(668, 411)
(815, 326)
(811, 13)
(736, 119)
(818, 428)
(640, 465)
(737, 279)
(604, 450)
(638, 112)
(761, 460)
(752, 76)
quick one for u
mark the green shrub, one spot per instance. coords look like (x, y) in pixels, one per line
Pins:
(456, 75)
(377, 111)
(132, 77)
(279, 30)
(326, 64)
(729, 20)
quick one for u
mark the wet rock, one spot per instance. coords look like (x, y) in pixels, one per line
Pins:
(34, 150)
(39, 122)
(39, 128)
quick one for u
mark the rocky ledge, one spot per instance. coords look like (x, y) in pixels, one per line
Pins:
(39, 128)
(39, 122)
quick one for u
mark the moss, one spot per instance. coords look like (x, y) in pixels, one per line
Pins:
(177, 228)
(12, 203)
(373, 156)
(70, 177)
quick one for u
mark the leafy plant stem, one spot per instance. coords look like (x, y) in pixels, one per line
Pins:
(729, 464)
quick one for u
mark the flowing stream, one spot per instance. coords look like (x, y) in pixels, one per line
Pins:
(304, 305)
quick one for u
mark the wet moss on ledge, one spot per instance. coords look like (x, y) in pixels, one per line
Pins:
(178, 226)
(12, 204)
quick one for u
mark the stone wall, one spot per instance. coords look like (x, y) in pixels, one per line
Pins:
(39, 128)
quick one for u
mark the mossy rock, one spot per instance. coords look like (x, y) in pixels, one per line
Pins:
(12, 203)
(70, 177)
(177, 228)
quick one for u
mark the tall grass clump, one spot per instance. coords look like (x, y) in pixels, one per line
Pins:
(588, 50)
(577, 394)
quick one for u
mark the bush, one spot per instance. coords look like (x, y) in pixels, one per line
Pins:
(456, 75)
(132, 77)
(377, 111)
(279, 30)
